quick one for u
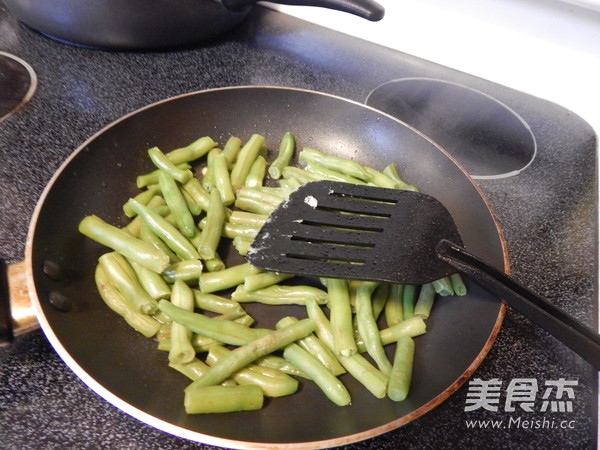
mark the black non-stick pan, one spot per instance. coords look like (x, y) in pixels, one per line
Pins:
(128, 371)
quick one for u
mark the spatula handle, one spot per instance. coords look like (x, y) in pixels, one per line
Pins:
(581, 339)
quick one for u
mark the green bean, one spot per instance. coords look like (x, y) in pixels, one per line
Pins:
(231, 150)
(364, 372)
(182, 350)
(301, 175)
(393, 306)
(256, 174)
(379, 179)
(157, 203)
(253, 205)
(151, 281)
(214, 264)
(142, 323)
(329, 174)
(316, 348)
(290, 183)
(131, 247)
(143, 197)
(331, 386)
(195, 190)
(224, 331)
(259, 195)
(241, 245)
(225, 279)
(161, 161)
(208, 173)
(341, 316)
(245, 159)
(183, 270)
(408, 300)
(147, 235)
(425, 301)
(221, 399)
(368, 328)
(232, 230)
(443, 286)
(280, 295)
(244, 355)
(193, 151)
(401, 375)
(121, 275)
(264, 279)
(222, 180)
(380, 297)
(195, 208)
(391, 171)
(284, 156)
(247, 218)
(343, 165)
(177, 204)
(272, 382)
(211, 234)
(458, 286)
(151, 178)
(193, 369)
(215, 303)
(166, 232)
(281, 364)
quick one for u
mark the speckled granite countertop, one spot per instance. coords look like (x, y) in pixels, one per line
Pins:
(548, 217)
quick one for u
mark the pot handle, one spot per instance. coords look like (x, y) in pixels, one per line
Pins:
(16, 311)
(367, 9)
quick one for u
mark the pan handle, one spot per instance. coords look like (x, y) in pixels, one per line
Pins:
(367, 9)
(17, 315)
(581, 339)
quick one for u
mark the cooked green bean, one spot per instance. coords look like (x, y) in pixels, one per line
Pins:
(161, 161)
(425, 301)
(316, 348)
(458, 285)
(166, 232)
(245, 159)
(379, 179)
(211, 234)
(301, 175)
(392, 172)
(343, 165)
(215, 303)
(208, 172)
(287, 147)
(221, 399)
(183, 270)
(367, 327)
(326, 173)
(121, 275)
(182, 350)
(222, 180)
(256, 174)
(147, 235)
(193, 151)
(233, 230)
(401, 375)
(264, 279)
(244, 355)
(247, 218)
(131, 247)
(380, 297)
(231, 149)
(278, 294)
(214, 264)
(152, 282)
(177, 204)
(143, 197)
(241, 245)
(413, 327)
(142, 323)
(224, 331)
(225, 279)
(393, 306)
(408, 300)
(272, 382)
(281, 364)
(195, 190)
(443, 286)
(151, 178)
(341, 316)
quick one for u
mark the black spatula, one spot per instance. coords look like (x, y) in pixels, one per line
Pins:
(340, 230)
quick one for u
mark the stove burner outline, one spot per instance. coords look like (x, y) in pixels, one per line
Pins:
(453, 134)
(24, 93)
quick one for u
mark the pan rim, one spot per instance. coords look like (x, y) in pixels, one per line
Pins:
(196, 436)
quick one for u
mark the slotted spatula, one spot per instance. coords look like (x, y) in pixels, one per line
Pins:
(340, 230)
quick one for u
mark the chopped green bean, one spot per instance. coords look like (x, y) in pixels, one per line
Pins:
(287, 147)
(443, 286)
(143, 197)
(131, 247)
(343, 165)
(222, 179)
(183, 270)
(341, 316)
(151, 178)
(215, 303)
(231, 150)
(193, 151)
(393, 306)
(408, 300)
(177, 204)
(221, 399)
(278, 294)
(401, 375)
(392, 172)
(182, 350)
(245, 159)
(142, 323)
(256, 174)
(161, 161)
(458, 284)
(211, 234)
(152, 282)
(425, 301)
(264, 279)
(225, 279)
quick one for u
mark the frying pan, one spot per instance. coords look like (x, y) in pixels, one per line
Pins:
(152, 24)
(126, 369)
